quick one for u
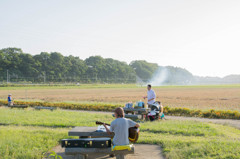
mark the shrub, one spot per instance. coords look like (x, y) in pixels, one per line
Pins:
(110, 107)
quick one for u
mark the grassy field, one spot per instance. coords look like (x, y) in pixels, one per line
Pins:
(223, 97)
(57, 118)
(37, 132)
(190, 139)
(27, 142)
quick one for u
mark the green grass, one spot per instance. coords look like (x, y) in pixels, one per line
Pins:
(191, 139)
(28, 142)
(109, 86)
(182, 128)
(82, 86)
(56, 118)
(179, 139)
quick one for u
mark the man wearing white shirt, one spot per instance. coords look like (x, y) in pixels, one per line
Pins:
(151, 96)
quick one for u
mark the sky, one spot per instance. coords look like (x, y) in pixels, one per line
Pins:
(202, 36)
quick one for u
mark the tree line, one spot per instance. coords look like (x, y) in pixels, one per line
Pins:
(17, 66)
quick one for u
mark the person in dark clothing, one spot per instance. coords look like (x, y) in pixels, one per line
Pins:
(10, 101)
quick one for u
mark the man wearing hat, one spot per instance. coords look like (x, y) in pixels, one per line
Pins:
(10, 101)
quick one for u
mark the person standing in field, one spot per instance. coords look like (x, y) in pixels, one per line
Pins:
(10, 101)
(151, 95)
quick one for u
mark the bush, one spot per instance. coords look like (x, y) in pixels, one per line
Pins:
(217, 114)
(74, 106)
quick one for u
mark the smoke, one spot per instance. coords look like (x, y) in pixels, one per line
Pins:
(159, 76)
(169, 75)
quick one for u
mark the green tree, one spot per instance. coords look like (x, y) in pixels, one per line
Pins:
(144, 69)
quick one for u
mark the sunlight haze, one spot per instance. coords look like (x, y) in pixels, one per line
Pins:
(200, 36)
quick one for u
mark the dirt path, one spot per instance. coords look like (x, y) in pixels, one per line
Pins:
(230, 122)
(142, 151)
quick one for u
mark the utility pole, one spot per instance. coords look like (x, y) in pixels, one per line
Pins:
(7, 76)
(44, 76)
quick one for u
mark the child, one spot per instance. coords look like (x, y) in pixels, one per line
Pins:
(162, 116)
(120, 128)
(10, 102)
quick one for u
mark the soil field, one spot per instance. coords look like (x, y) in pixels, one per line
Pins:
(224, 97)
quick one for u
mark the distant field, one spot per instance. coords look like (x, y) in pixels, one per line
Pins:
(225, 97)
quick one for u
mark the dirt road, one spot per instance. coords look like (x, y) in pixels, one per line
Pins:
(142, 151)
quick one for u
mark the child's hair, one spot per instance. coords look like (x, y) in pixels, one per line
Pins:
(119, 111)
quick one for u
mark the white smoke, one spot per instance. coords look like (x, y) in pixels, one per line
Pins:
(159, 76)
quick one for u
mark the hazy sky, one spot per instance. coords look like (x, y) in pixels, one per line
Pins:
(202, 36)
